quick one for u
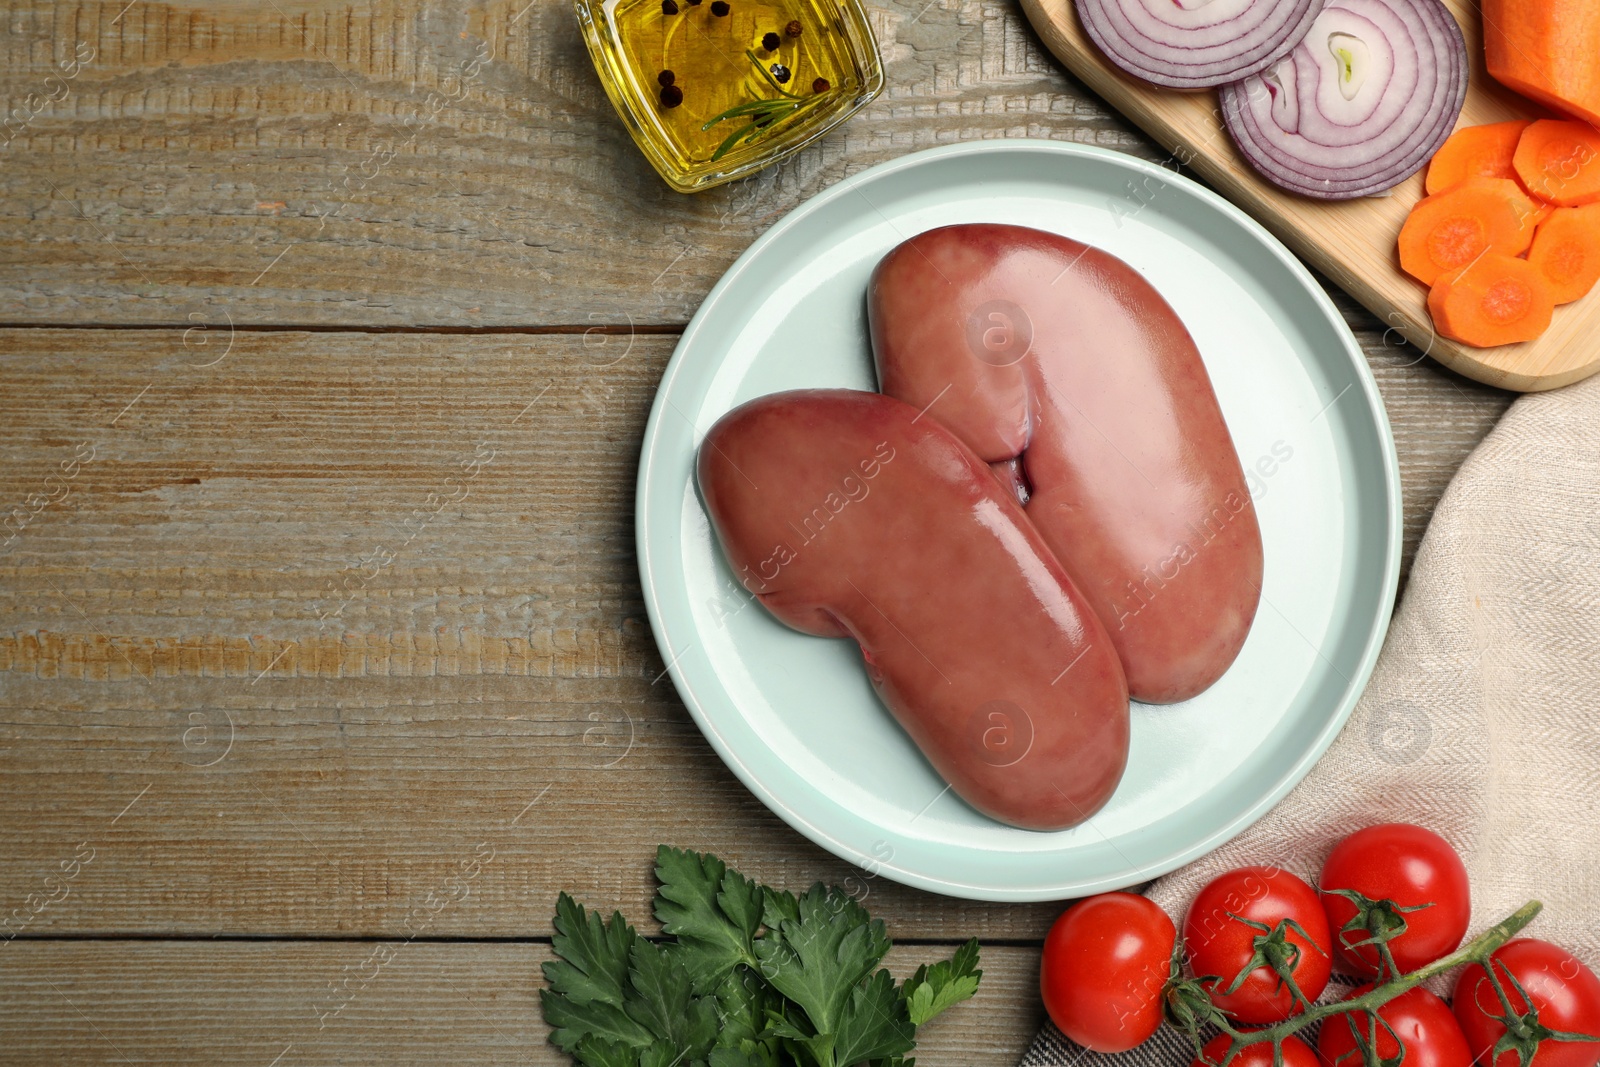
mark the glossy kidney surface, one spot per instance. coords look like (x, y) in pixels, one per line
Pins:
(848, 514)
(1032, 346)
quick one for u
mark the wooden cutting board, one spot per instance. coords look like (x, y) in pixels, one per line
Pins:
(1350, 241)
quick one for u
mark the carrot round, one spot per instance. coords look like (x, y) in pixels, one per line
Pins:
(1497, 300)
(1447, 231)
(1542, 209)
(1545, 50)
(1475, 152)
(1566, 252)
(1560, 161)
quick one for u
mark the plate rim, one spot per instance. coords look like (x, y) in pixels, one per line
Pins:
(1355, 685)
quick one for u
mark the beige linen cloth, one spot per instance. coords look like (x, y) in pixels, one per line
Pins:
(1482, 719)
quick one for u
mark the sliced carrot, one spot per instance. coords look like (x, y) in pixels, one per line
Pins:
(1482, 152)
(1475, 152)
(1447, 231)
(1497, 300)
(1560, 162)
(1566, 252)
(1545, 50)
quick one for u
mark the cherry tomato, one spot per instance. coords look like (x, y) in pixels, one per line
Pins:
(1105, 963)
(1296, 1053)
(1565, 995)
(1250, 915)
(1410, 866)
(1427, 1030)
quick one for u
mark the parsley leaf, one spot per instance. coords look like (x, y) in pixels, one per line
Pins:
(742, 1002)
(597, 1052)
(778, 905)
(748, 977)
(715, 913)
(587, 984)
(933, 989)
(817, 959)
(660, 1001)
(732, 1057)
(874, 1023)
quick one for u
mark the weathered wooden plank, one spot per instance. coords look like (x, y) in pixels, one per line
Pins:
(417, 162)
(264, 1003)
(173, 638)
(321, 504)
(451, 806)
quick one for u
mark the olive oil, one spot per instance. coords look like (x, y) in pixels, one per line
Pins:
(714, 89)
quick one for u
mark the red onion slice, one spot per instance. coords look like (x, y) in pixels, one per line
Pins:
(1194, 44)
(1359, 105)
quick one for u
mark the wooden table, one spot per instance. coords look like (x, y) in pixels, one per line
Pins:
(269, 657)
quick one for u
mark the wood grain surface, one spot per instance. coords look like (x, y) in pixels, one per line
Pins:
(355, 164)
(317, 472)
(1351, 241)
(241, 1002)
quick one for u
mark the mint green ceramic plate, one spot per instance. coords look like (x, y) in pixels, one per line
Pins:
(794, 717)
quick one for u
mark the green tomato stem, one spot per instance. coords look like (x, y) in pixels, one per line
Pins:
(1477, 950)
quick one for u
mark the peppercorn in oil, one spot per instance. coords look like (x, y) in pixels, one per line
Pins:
(727, 73)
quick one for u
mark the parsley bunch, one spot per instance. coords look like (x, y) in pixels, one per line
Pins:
(754, 977)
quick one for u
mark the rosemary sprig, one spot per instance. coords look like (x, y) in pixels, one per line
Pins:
(763, 114)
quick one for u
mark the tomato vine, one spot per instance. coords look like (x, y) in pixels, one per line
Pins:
(1189, 1008)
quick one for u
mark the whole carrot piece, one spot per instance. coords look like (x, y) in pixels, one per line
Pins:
(1546, 50)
